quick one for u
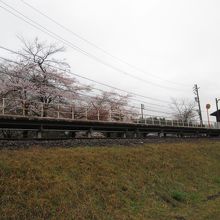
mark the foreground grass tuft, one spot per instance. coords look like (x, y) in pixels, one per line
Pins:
(179, 196)
(154, 181)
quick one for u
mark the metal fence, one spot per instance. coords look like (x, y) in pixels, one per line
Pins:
(26, 108)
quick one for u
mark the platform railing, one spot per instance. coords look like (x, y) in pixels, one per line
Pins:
(27, 108)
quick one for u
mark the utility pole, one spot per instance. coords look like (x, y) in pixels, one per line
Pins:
(217, 115)
(208, 106)
(216, 101)
(142, 111)
(196, 92)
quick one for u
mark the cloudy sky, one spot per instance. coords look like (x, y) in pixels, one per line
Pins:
(168, 45)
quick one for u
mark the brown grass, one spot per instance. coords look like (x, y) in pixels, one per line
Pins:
(154, 181)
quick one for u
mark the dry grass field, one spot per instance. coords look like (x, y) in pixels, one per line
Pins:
(154, 181)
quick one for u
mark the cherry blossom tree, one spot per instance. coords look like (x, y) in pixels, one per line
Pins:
(37, 74)
(36, 80)
(108, 105)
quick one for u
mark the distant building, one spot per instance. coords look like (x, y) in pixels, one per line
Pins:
(217, 115)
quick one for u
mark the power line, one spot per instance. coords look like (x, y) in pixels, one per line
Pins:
(57, 37)
(140, 101)
(92, 80)
(136, 107)
(94, 45)
(134, 99)
(101, 90)
(131, 98)
(94, 97)
(132, 106)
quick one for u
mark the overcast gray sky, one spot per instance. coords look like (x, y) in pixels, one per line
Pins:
(171, 40)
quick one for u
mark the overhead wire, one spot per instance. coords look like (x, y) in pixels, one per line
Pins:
(93, 81)
(71, 45)
(94, 88)
(47, 33)
(132, 106)
(86, 95)
(93, 44)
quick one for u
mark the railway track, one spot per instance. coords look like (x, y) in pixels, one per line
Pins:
(93, 142)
